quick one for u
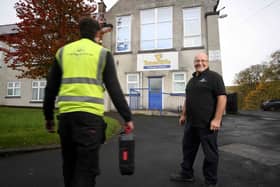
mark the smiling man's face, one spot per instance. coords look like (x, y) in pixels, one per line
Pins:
(201, 62)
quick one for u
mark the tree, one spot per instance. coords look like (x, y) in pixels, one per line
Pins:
(251, 75)
(45, 26)
(272, 72)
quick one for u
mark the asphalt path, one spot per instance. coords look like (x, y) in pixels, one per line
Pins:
(249, 150)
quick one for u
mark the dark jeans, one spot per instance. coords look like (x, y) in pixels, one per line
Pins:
(193, 136)
(81, 134)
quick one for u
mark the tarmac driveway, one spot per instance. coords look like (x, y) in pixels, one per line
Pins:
(249, 156)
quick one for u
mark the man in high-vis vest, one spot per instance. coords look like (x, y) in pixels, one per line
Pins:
(77, 76)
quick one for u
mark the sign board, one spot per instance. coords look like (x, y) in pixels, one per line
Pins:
(214, 55)
(157, 61)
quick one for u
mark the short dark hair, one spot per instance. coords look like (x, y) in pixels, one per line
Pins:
(88, 27)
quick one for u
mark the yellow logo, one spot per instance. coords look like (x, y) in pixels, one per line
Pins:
(158, 61)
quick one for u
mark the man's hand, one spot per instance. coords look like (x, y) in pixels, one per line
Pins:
(50, 126)
(182, 120)
(215, 125)
(128, 127)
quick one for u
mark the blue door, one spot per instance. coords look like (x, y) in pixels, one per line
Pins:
(155, 93)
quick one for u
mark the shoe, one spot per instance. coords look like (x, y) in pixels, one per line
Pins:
(180, 178)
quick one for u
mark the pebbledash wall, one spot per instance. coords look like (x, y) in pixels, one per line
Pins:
(13, 91)
(153, 42)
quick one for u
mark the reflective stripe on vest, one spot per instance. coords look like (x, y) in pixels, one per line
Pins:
(82, 87)
(81, 99)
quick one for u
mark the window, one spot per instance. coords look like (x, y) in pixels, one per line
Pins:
(192, 27)
(156, 28)
(13, 89)
(1, 56)
(38, 90)
(123, 31)
(132, 81)
(179, 82)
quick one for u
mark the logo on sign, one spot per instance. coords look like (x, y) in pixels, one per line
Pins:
(157, 63)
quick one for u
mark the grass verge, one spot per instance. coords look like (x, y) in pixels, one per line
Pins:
(24, 127)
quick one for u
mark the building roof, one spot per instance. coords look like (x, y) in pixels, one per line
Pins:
(8, 29)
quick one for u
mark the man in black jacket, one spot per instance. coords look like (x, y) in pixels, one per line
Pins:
(203, 110)
(77, 76)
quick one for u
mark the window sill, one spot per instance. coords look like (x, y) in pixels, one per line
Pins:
(192, 48)
(35, 101)
(156, 50)
(12, 97)
(122, 53)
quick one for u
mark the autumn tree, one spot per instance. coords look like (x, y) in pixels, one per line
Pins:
(45, 25)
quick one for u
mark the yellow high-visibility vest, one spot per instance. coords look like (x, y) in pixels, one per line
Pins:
(82, 63)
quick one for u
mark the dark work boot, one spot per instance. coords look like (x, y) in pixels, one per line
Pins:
(178, 177)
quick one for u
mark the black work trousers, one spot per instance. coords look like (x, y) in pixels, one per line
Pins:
(81, 135)
(193, 137)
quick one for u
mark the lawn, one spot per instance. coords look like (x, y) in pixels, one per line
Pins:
(24, 127)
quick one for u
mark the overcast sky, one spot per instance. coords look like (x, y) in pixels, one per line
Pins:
(248, 35)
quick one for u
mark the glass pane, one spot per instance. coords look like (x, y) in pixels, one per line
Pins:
(123, 46)
(192, 27)
(123, 34)
(17, 84)
(178, 76)
(164, 30)
(192, 41)
(132, 78)
(17, 92)
(147, 32)
(147, 45)
(191, 13)
(147, 16)
(10, 92)
(131, 85)
(164, 44)
(43, 84)
(123, 21)
(42, 93)
(155, 85)
(164, 14)
(179, 87)
(10, 84)
(35, 84)
(34, 93)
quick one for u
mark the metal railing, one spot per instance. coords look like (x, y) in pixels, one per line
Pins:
(139, 100)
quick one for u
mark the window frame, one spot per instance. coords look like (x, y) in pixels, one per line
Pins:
(178, 81)
(38, 90)
(199, 19)
(137, 82)
(155, 24)
(129, 37)
(13, 88)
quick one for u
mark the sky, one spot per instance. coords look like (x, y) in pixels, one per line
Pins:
(248, 35)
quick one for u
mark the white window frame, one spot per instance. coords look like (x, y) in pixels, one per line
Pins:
(156, 31)
(128, 25)
(187, 21)
(178, 81)
(13, 88)
(39, 89)
(131, 82)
